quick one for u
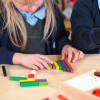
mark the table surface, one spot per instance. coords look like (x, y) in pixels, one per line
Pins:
(10, 90)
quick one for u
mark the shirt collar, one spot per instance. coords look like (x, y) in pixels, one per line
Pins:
(40, 14)
(99, 4)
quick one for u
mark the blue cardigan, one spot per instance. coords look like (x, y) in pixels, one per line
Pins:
(59, 36)
(85, 22)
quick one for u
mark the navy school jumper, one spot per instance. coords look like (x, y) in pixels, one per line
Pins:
(59, 37)
(85, 21)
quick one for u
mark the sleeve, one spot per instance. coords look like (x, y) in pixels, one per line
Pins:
(61, 34)
(5, 55)
(84, 35)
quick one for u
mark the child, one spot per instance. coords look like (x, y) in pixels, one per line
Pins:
(31, 29)
(85, 22)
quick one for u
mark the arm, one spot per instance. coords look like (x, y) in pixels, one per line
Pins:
(5, 55)
(63, 43)
(9, 55)
(84, 35)
(61, 34)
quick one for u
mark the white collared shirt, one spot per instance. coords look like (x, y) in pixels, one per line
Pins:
(99, 4)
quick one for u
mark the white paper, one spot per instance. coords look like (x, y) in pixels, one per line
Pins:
(85, 82)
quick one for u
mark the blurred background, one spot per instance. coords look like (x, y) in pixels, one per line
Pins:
(66, 7)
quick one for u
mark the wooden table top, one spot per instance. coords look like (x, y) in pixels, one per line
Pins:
(10, 90)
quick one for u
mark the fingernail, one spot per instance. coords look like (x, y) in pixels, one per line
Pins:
(49, 68)
(73, 61)
(68, 61)
(51, 62)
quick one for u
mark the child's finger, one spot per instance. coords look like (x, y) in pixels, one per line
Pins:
(76, 55)
(34, 67)
(81, 55)
(63, 55)
(44, 63)
(47, 59)
(69, 56)
(38, 64)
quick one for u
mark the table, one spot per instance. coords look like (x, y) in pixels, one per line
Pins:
(10, 90)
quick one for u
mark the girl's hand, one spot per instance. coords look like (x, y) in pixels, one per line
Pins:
(72, 53)
(33, 61)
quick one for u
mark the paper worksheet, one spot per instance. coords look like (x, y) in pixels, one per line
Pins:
(84, 82)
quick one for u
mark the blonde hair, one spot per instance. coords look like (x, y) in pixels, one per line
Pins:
(15, 22)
